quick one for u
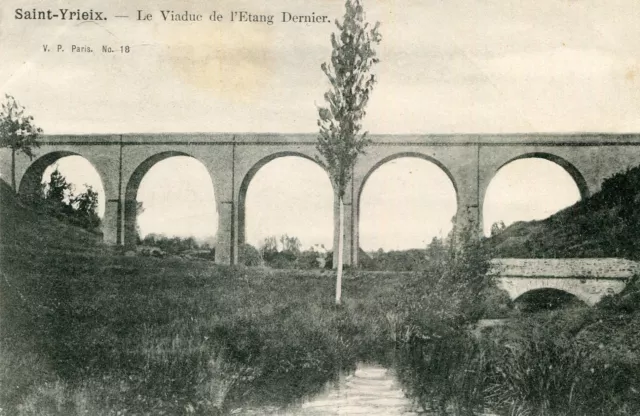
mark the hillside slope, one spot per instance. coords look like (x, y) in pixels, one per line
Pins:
(24, 229)
(607, 224)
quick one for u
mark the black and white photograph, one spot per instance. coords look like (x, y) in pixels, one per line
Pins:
(328, 207)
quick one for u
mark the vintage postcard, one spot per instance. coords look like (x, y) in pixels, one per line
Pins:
(320, 207)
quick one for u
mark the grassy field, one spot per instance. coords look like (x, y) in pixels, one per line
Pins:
(87, 331)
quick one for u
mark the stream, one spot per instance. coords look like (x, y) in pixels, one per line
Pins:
(370, 390)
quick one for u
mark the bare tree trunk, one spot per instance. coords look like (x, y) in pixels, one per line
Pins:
(340, 251)
(13, 170)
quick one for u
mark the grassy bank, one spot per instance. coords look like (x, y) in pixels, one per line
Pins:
(606, 224)
(573, 362)
(146, 336)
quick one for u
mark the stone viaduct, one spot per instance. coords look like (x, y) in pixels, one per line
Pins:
(470, 161)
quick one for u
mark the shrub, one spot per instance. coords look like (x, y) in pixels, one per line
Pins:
(248, 255)
(281, 259)
(438, 360)
(626, 301)
(308, 259)
(496, 303)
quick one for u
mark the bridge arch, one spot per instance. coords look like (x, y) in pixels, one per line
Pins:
(248, 177)
(589, 291)
(85, 171)
(132, 187)
(32, 178)
(396, 156)
(548, 298)
(577, 176)
(488, 202)
(402, 155)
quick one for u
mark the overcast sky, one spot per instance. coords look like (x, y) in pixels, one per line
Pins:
(446, 66)
(485, 66)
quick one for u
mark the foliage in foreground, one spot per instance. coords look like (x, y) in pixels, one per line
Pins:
(573, 362)
(86, 331)
(167, 335)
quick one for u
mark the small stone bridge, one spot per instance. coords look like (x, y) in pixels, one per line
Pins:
(587, 279)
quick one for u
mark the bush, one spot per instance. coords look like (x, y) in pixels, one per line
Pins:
(439, 361)
(248, 255)
(281, 259)
(444, 372)
(496, 303)
(397, 260)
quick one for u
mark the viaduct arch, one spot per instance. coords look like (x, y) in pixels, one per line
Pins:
(32, 178)
(581, 183)
(470, 161)
(246, 181)
(131, 193)
(402, 155)
(358, 197)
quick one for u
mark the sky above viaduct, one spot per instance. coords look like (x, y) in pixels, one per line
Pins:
(446, 66)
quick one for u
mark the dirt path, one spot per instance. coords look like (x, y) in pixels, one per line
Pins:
(371, 390)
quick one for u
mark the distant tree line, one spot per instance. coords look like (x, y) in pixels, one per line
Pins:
(284, 252)
(405, 260)
(175, 245)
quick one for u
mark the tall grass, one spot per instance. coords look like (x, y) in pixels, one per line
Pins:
(147, 336)
(84, 331)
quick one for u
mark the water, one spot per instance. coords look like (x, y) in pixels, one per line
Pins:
(370, 390)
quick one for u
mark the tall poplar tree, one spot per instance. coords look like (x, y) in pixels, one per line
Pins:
(349, 73)
(17, 132)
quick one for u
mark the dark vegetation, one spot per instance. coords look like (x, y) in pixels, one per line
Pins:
(605, 225)
(161, 245)
(570, 362)
(284, 252)
(412, 260)
(57, 199)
